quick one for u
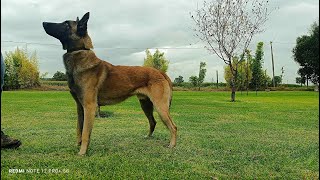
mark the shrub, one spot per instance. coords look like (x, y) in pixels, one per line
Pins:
(21, 71)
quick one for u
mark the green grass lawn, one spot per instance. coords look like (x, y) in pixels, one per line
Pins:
(270, 136)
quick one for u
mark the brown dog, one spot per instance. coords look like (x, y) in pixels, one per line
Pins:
(93, 81)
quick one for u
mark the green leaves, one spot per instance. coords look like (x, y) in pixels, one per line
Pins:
(59, 76)
(197, 81)
(21, 71)
(306, 54)
(157, 60)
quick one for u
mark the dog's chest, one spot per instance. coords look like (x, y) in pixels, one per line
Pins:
(69, 66)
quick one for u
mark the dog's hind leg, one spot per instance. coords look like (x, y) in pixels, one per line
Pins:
(147, 108)
(161, 102)
(80, 118)
(98, 112)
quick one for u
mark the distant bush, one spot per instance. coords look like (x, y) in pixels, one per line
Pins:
(49, 85)
(292, 87)
(54, 83)
(189, 85)
(21, 71)
(59, 76)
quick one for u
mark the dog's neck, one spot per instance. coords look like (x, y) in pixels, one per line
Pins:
(83, 43)
(77, 49)
(78, 61)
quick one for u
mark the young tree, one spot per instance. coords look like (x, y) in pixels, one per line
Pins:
(277, 80)
(202, 73)
(157, 60)
(306, 54)
(267, 80)
(244, 74)
(248, 71)
(193, 80)
(227, 27)
(197, 81)
(257, 72)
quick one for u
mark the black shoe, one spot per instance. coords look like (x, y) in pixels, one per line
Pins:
(9, 143)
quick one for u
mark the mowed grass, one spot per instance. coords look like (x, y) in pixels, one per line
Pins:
(273, 135)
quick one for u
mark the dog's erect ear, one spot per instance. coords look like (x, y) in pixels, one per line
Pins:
(82, 24)
(77, 19)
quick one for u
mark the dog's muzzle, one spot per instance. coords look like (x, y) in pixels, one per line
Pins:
(56, 30)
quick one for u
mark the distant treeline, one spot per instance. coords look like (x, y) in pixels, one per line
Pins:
(49, 84)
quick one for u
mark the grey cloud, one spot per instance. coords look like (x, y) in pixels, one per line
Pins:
(137, 25)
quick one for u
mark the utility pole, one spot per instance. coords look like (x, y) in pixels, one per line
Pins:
(247, 75)
(217, 79)
(282, 72)
(273, 80)
(266, 82)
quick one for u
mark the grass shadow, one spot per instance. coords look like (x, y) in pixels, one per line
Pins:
(105, 114)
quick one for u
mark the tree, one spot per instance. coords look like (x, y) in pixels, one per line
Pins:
(257, 81)
(306, 54)
(301, 80)
(306, 73)
(59, 76)
(157, 60)
(44, 75)
(178, 80)
(227, 27)
(267, 81)
(193, 80)
(202, 73)
(244, 74)
(21, 71)
(197, 81)
(277, 80)
(248, 69)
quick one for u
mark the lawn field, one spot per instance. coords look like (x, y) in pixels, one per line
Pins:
(273, 135)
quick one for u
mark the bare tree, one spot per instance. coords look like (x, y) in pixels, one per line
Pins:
(227, 28)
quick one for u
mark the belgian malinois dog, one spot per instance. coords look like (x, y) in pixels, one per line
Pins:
(93, 81)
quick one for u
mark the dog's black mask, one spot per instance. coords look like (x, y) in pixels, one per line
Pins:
(67, 31)
(57, 30)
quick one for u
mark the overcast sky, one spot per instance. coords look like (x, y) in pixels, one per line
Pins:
(122, 30)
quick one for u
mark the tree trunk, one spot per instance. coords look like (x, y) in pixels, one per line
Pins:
(234, 73)
(233, 90)
(233, 94)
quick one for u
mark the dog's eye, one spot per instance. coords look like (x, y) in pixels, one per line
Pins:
(66, 24)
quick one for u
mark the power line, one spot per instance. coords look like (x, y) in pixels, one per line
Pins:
(168, 48)
(277, 42)
(36, 43)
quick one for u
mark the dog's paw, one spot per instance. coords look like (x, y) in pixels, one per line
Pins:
(171, 146)
(81, 153)
(148, 136)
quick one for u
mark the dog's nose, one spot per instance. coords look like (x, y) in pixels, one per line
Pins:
(44, 24)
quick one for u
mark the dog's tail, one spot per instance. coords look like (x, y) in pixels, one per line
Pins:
(170, 84)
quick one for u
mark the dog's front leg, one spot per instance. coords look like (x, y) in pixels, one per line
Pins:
(80, 123)
(89, 106)
(80, 118)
